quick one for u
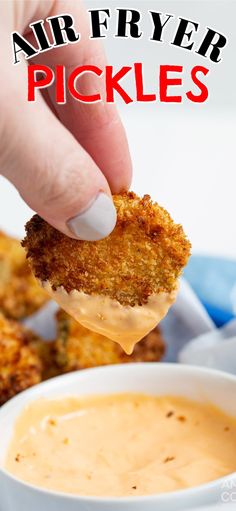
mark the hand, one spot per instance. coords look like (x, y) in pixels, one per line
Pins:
(65, 160)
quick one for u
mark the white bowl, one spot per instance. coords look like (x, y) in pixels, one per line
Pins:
(203, 385)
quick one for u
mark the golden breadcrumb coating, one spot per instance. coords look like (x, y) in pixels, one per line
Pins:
(46, 352)
(144, 254)
(20, 364)
(78, 348)
(20, 293)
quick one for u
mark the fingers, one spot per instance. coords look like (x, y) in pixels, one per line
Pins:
(96, 126)
(52, 172)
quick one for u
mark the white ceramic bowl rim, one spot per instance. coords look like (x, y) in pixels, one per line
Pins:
(56, 381)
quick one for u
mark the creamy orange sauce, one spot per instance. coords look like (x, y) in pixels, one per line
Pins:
(121, 445)
(123, 324)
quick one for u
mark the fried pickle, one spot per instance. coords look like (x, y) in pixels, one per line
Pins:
(77, 347)
(20, 293)
(20, 363)
(144, 255)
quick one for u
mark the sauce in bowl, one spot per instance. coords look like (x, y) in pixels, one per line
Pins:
(121, 444)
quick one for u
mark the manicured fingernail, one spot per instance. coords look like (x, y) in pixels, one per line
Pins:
(96, 222)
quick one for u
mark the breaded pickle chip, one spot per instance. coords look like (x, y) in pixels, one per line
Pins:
(20, 364)
(144, 255)
(20, 293)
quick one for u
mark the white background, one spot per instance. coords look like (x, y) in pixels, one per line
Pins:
(183, 155)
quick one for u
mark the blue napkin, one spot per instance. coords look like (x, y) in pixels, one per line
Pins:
(214, 281)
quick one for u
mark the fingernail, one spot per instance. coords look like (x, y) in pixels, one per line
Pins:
(96, 222)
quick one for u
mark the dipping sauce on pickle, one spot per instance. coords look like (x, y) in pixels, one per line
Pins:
(121, 445)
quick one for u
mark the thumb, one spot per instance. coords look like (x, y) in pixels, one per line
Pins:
(52, 172)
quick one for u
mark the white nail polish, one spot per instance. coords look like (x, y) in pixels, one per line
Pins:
(96, 222)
